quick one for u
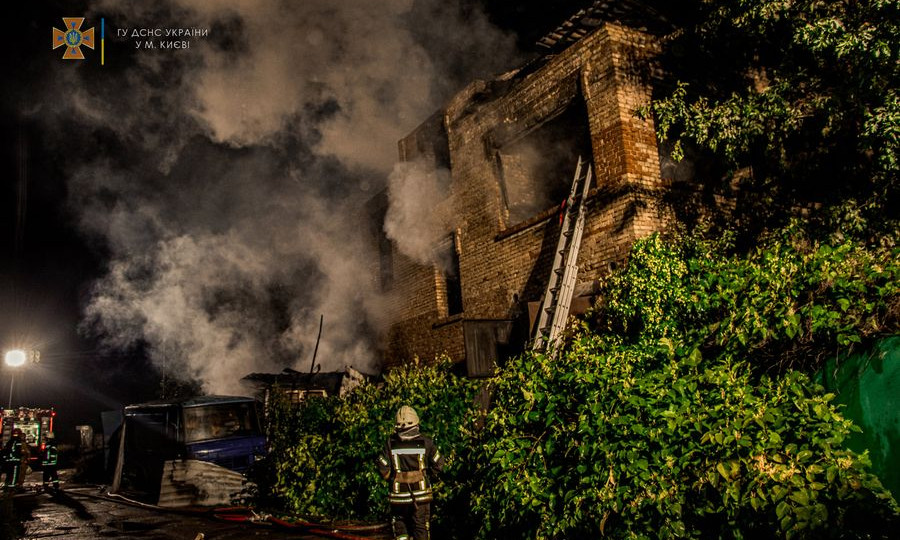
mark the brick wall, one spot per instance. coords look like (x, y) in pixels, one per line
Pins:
(502, 261)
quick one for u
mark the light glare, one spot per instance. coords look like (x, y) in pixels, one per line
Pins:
(15, 358)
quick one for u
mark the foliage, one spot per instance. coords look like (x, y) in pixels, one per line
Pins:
(790, 301)
(803, 92)
(324, 452)
(296, 436)
(633, 442)
(656, 419)
(659, 417)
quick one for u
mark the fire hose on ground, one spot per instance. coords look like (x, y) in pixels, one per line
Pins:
(245, 514)
(309, 527)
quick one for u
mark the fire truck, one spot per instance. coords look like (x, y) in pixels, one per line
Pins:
(35, 423)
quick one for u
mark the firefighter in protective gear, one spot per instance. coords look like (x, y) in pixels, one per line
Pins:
(15, 456)
(50, 463)
(408, 459)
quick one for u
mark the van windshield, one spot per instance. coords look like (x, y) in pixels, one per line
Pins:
(219, 421)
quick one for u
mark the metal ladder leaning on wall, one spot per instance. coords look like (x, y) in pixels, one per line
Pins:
(558, 296)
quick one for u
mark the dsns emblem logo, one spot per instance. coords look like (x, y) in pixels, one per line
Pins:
(73, 38)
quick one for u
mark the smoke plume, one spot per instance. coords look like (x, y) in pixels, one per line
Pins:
(413, 220)
(225, 182)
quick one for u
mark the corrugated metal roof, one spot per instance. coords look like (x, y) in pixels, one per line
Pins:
(198, 483)
(196, 401)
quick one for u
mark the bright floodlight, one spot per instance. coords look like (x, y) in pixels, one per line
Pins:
(15, 358)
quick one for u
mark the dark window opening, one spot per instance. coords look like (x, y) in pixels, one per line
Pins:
(431, 140)
(448, 259)
(695, 165)
(536, 170)
(377, 210)
(385, 261)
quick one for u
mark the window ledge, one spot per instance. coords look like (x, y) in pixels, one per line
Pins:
(527, 224)
(444, 321)
(601, 194)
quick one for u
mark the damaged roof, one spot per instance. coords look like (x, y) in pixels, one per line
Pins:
(631, 13)
(289, 378)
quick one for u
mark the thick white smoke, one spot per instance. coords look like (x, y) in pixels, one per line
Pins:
(229, 190)
(358, 55)
(413, 221)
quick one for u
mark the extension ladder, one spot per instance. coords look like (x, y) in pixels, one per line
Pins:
(558, 296)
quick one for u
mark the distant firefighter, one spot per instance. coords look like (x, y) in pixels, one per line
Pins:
(15, 459)
(50, 464)
(408, 459)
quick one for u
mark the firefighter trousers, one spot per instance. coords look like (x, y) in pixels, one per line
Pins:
(13, 470)
(51, 477)
(411, 521)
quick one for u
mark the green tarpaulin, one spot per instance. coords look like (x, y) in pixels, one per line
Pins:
(868, 386)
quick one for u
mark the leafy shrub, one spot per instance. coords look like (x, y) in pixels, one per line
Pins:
(804, 92)
(324, 452)
(789, 302)
(675, 411)
(635, 442)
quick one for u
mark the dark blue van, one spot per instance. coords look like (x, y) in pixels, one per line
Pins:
(223, 430)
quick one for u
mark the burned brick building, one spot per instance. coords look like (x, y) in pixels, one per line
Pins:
(511, 147)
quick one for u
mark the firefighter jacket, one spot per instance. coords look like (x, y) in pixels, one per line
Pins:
(407, 460)
(15, 451)
(50, 457)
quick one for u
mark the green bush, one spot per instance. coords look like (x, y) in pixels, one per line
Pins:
(658, 419)
(675, 410)
(633, 442)
(790, 302)
(324, 452)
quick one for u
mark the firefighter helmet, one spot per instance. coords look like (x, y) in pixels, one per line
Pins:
(407, 417)
(16, 432)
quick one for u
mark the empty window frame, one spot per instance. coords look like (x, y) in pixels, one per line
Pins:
(431, 140)
(385, 262)
(536, 170)
(448, 264)
(296, 396)
(377, 211)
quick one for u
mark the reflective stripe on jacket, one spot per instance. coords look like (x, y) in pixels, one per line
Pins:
(51, 455)
(408, 462)
(15, 451)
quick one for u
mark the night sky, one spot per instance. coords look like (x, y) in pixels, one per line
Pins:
(194, 211)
